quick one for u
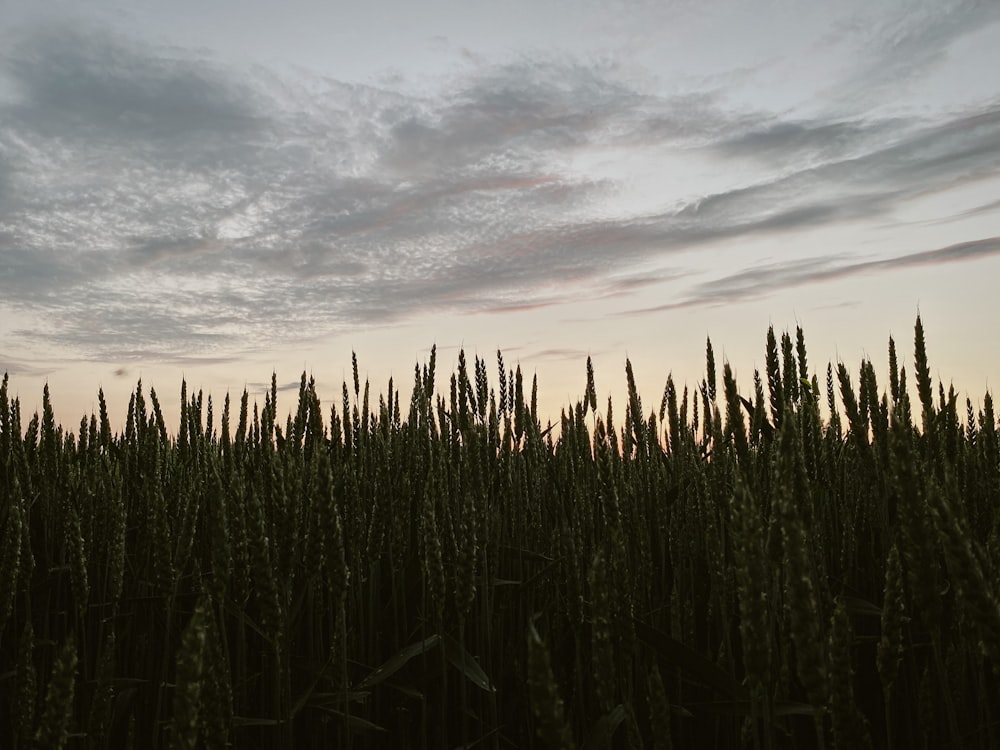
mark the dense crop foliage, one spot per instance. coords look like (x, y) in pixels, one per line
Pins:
(724, 570)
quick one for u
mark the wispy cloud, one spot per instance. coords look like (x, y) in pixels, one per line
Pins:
(14, 367)
(257, 387)
(570, 355)
(752, 283)
(895, 46)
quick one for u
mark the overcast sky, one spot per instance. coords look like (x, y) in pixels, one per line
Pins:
(224, 189)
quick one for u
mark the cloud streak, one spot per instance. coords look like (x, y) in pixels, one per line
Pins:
(898, 47)
(752, 283)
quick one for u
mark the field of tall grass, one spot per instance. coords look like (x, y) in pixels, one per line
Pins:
(719, 570)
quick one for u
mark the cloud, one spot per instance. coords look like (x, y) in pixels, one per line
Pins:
(155, 204)
(804, 142)
(14, 367)
(972, 250)
(514, 116)
(894, 48)
(4, 180)
(290, 386)
(870, 170)
(753, 283)
(566, 355)
(74, 84)
(984, 208)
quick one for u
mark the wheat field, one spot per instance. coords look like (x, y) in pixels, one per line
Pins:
(810, 564)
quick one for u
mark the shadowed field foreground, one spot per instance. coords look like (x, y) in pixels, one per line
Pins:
(719, 571)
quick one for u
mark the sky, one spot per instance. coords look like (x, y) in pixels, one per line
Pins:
(218, 191)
